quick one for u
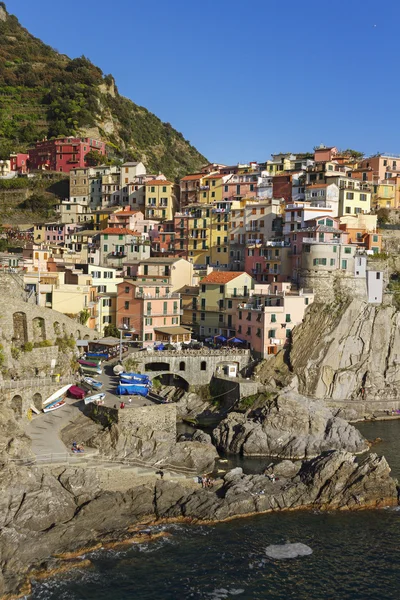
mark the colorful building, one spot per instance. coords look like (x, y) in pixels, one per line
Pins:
(151, 312)
(173, 272)
(63, 154)
(161, 199)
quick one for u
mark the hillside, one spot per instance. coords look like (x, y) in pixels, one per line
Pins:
(45, 93)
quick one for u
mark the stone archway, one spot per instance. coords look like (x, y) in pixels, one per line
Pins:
(16, 405)
(37, 401)
(86, 337)
(78, 334)
(20, 329)
(38, 329)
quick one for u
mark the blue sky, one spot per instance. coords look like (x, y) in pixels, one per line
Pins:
(243, 79)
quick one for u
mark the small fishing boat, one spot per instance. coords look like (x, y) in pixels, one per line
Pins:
(54, 405)
(95, 398)
(97, 385)
(134, 377)
(91, 370)
(92, 359)
(58, 395)
(87, 363)
(145, 384)
(76, 392)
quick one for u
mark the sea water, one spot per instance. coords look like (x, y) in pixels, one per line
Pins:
(334, 555)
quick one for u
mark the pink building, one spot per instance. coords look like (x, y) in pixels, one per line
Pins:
(266, 320)
(268, 262)
(151, 312)
(126, 218)
(240, 186)
(63, 154)
(19, 162)
(323, 154)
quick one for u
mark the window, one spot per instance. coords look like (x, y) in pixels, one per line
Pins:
(182, 365)
(329, 222)
(306, 301)
(202, 316)
(258, 333)
(348, 210)
(347, 250)
(288, 333)
(148, 321)
(349, 196)
(127, 289)
(106, 236)
(287, 319)
(107, 319)
(332, 262)
(344, 264)
(126, 305)
(220, 318)
(148, 337)
(307, 248)
(363, 197)
(374, 238)
(164, 189)
(106, 301)
(203, 365)
(221, 289)
(273, 318)
(271, 333)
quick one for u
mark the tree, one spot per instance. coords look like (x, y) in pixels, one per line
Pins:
(111, 331)
(353, 153)
(84, 316)
(94, 158)
(383, 215)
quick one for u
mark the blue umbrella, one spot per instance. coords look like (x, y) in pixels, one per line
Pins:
(236, 340)
(221, 338)
(160, 347)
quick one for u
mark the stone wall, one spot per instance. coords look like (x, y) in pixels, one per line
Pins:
(333, 286)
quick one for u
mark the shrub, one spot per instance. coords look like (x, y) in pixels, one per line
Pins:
(43, 344)
(27, 347)
(15, 352)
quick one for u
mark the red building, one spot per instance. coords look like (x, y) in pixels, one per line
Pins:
(163, 239)
(19, 162)
(282, 187)
(63, 154)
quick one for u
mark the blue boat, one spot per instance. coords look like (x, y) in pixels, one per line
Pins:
(130, 390)
(101, 355)
(133, 377)
(97, 385)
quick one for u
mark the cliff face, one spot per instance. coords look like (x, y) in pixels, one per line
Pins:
(344, 352)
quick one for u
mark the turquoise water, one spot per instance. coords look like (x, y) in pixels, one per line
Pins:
(355, 556)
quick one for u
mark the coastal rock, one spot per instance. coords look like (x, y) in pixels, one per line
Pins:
(346, 352)
(289, 426)
(202, 437)
(199, 456)
(49, 512)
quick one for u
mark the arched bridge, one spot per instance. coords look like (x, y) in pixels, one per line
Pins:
(197, 367)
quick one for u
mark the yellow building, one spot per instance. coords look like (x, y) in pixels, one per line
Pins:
(212, 188)
(219, 238)
(384, 195)
(354, 201)
(161, 199)
(216, 301)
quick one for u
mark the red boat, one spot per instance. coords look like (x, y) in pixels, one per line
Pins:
(76, 392)
(86, 363)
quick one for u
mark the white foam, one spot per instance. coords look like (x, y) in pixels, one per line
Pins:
(283, 551)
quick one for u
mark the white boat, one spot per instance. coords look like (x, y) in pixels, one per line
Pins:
(95, 398)
(93, 383)
(54, 405)
(58, 395)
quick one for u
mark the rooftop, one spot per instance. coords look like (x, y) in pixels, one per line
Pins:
(172, 330)
(119, 231)
(159, 182)
(194, 177)
(221, 276)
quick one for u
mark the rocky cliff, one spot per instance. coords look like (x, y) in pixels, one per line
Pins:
(288, 426)
(47, 512)
(343, 353)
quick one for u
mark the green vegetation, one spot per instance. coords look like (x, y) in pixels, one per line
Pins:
(27, 347)
(111, 331)
(157, 384)
(2, 357)
(44, 93)
(383, 215)
(43, 344)
(15, 352)
(84, 316)
(394, 288)
(65, 343)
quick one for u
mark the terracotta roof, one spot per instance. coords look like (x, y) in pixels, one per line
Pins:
(119, 231)
(221, 276)
(193, 177)
(318, 185)
(158, 182)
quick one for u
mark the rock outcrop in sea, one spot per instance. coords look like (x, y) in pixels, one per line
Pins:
(48, 511)
(287, 426)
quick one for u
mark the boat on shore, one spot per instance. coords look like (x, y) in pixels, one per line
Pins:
(134, 377)
(96, 355)
(76, 392)
(54, 405)
(87, 363)
(97, 385)
(132, 390)
(91, 370)
(95, 398)
(58, 395)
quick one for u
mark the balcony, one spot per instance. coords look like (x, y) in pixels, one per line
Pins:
(155, 295)
(163, 314)
(315, 241)
(254, 241)
(116, 255)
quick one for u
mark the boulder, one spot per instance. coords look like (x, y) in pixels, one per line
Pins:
(289, 426)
